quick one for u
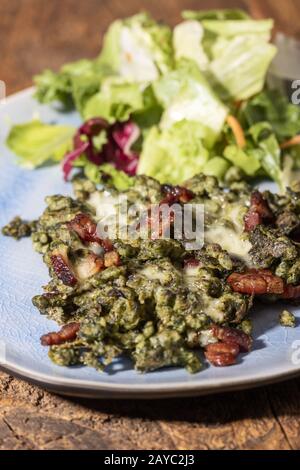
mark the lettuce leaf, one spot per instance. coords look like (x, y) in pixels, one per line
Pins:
(73, 85)
(36, 143)
(246, 160)
(216, 166)
(187, 41)
(221, 15)
(273, 107)
(290, 174)
(240, 66)
(175, 154)
(115, 102)
(138, 49)
(95, 173)
(232, 49)
(266, 141)
(186, 95)
(245, 27)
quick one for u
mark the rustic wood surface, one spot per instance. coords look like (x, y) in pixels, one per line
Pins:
(35, 34)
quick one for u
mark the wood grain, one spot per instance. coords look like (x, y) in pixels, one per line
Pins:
(35, 34)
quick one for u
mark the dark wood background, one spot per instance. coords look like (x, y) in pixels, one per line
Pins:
(35, 34)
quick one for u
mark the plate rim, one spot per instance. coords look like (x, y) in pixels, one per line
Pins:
(86, 388)
(158, 390)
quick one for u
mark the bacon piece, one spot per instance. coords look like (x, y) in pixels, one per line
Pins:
(175, 194)
(256, 282)
(106, 245)
(259, 212)
(66, 333)
(291, 292)
(86, 229)
(222, 354)
(112, 258)
(62, 267)
(233, 336)
(158, 222)
(191, 263)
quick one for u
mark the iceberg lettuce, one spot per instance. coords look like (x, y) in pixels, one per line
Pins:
(138, 49)
(186, 95)
(187, 41)
(116, 101)
(175, 154)
(232, 49)
(219, 14)
(37, 143)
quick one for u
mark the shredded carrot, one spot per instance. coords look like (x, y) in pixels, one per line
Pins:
(291, 143)
(237, 130)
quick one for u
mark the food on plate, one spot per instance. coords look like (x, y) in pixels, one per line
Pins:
(150, 298)
(170, 118)
(287, 319)
(170, 104)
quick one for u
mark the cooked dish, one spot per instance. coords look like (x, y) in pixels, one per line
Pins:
(159, 106)
(151, 299)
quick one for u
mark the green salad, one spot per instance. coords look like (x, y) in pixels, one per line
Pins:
(170, 103)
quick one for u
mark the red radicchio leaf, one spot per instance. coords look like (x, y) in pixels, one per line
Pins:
(71, 157)
(125, 135)
(117, 150)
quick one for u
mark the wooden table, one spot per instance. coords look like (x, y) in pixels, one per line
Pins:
(35, 34)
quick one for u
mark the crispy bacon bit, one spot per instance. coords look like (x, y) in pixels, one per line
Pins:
(86, 229)
(256, 282)
(259, 212)
(106, 245)
(222, 354)
(191, 263)
(233, 336)
(89, 266)
(112, 259)
(175, 194)
(62, 268)
(291, 292)
(159, 221)
(67, 333)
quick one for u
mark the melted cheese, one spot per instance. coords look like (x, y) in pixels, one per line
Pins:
(206, 337)
(152, 273)
(103, 203)
(230, 241)
(214, 308)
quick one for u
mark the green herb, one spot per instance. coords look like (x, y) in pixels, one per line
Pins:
(287, 319)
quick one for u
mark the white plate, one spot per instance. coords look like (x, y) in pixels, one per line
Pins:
(276, 353)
